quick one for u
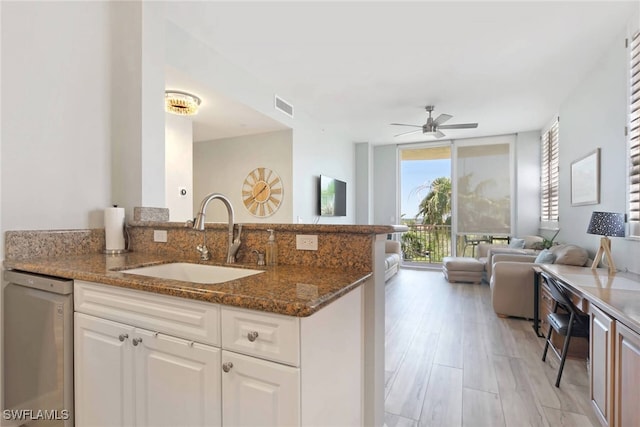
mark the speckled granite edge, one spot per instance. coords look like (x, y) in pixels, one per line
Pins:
(52, 243)
(145, 214)
(298, 228)
(290, 290)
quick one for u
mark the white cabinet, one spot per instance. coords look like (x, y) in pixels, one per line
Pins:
(103, 368)
(257, 392)
(177, 381)
(127, 376)
(143, 359)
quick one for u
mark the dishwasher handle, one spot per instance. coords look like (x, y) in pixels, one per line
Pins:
(39, 281)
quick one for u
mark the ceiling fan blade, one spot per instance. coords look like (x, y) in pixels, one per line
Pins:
(402, 124)
(439, 134)
(460, 126)
(408, 133)
(441, 119)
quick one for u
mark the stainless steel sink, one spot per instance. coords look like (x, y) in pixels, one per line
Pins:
(198, 273)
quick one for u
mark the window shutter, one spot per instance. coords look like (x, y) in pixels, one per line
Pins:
(550, 174)
(634, 138)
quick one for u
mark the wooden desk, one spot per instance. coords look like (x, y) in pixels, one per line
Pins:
(614, 344)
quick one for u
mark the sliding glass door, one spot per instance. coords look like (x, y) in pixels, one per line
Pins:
(455, 195)
(425, 202)
(483, 191)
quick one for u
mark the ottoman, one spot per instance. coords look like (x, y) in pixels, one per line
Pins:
(462, 269)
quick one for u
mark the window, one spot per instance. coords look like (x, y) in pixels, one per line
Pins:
(549, 176)
(634, 138)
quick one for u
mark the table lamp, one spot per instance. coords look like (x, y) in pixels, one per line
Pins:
(606, 224)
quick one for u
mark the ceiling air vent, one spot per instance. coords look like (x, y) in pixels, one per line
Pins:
(283, 106)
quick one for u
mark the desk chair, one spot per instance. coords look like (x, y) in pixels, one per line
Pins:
(573, 323)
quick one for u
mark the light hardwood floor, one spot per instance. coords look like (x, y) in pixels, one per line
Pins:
(451, 361)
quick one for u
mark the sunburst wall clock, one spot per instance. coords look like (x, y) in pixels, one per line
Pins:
(262, 192)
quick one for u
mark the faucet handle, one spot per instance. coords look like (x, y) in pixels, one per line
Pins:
(237, 239)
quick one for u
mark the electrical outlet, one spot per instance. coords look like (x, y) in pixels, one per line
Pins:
(160, 236)
(306, 242)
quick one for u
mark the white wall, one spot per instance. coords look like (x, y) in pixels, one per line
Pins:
(594, 115)
(137, 111)
(318, 152)
(221, 166)
(527, 148)
(178, 166)
(315, 149)
(385, 184)
(364, 183)
(56, 128)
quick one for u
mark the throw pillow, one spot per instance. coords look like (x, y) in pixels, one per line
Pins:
(570, 255)
(516, 243)
(545, 257)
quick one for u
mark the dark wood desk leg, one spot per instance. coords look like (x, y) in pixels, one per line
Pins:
(536, 299)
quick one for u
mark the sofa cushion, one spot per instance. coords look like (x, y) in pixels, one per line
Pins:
(532, 242)
(517, 243)
(390, 260)
(570, 255)
(545, 257)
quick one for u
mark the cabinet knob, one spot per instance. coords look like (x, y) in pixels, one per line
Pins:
(123, 337)
(136, 341)
(251, 336)
(227, 366)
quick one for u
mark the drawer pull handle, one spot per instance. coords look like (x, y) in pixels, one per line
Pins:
(227, 366)
(251, 336)
(137, 341)
(123, 337)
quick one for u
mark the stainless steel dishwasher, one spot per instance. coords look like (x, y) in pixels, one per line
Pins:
(38, 349)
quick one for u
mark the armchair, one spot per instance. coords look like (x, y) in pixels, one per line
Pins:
(511, 283)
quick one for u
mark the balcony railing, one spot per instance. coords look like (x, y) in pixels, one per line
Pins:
(431, 243)
(426, 243)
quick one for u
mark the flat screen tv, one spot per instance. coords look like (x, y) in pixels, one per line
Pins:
(332, 198)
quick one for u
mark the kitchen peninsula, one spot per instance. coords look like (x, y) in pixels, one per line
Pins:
(332, 300)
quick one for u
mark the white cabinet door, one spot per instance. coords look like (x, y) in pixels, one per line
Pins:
(256, 392)
(177, 381)
(103, 369)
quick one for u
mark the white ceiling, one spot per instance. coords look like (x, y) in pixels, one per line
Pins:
(358, 66)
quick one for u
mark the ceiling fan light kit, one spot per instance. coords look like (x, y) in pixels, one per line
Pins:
(432, 126)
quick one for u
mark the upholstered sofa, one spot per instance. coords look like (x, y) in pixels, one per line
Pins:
(511, 283)
(392, 257)
(530, 245)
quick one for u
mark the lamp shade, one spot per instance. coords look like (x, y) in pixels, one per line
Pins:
(606, 224)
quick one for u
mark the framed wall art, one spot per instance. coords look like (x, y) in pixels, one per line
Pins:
(585, 179)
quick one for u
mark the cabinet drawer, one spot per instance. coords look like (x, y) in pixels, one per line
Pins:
(188, 319)
(265, 335)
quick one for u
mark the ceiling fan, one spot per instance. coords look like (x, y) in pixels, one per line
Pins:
(433, 126)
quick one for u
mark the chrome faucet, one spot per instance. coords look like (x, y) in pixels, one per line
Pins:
(234, 244)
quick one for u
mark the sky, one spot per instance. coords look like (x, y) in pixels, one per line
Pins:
(414, 173)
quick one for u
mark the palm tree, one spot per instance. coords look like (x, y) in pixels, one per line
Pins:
(435, 208)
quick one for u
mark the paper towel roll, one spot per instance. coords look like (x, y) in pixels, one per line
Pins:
(114, 228)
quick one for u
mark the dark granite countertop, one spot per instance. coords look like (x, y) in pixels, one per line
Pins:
(292, 290)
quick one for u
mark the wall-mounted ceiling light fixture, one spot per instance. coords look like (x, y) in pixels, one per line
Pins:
(182, 103)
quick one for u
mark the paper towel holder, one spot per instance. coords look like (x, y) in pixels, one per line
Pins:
(127, 238)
